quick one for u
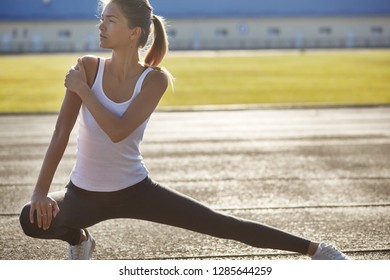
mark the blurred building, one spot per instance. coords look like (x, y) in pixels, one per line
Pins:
(71, 25)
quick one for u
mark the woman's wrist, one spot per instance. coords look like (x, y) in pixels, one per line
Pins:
(39, 193)
(83, 90)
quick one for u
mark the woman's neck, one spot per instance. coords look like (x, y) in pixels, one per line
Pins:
(125, 65)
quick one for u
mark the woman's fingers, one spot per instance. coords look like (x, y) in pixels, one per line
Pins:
(45, 210)
(39, 217)
(51, 212)
(36, 208)
(56, 209)
(46, 216)
(32, 210)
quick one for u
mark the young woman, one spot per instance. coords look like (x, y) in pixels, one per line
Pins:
(114, 99)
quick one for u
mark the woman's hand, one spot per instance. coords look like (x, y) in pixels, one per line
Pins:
(76, 79)
(46, 208)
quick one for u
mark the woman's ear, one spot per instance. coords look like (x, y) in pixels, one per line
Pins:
(135, 33)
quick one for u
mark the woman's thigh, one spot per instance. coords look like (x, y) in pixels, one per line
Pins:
(157, 203)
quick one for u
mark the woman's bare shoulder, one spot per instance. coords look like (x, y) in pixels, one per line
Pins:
(91, 63)
(157, 75)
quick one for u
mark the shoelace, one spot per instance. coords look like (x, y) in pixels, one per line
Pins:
(75, 251)
(332, 252)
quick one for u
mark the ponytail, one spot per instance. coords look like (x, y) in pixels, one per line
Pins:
(159, 47)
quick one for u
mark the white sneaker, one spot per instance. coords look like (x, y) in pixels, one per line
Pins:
(84, 250)
(328, 252)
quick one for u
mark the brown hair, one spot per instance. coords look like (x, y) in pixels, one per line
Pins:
(139, 13)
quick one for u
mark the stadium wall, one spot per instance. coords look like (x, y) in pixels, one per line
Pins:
(208, 33)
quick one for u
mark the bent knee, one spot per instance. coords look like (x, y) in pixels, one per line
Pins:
(24, 219)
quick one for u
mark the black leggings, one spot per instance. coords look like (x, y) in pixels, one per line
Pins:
(150, 201)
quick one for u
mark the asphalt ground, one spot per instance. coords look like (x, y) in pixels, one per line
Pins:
(322, 173)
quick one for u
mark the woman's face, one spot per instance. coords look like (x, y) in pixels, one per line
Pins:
(114, 29)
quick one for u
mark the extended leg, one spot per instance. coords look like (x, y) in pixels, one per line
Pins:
(162, 205)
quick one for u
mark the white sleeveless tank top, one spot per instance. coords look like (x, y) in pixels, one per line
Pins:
(101, 165)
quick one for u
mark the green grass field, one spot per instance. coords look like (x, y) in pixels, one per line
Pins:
(34, 83)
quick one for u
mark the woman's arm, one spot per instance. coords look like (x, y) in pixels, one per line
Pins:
(119, 127)
(43, 204)
(46, 207)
